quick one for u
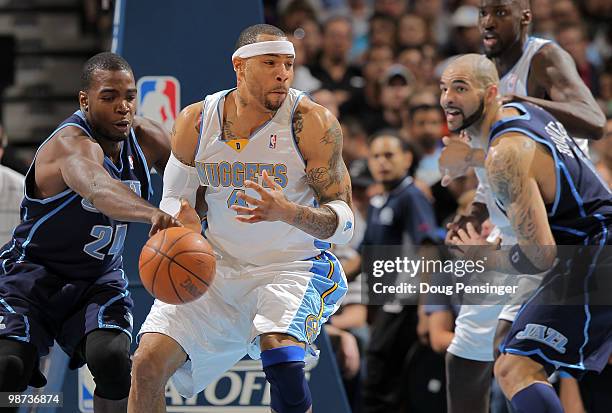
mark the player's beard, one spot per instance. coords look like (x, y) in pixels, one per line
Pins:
(473, 118)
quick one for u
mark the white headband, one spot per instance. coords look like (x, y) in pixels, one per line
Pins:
(270, 47)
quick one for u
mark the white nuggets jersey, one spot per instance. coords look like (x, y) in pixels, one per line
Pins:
(224, 165)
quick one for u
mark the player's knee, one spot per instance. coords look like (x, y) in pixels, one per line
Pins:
(284, 369)
(149, 369)
(108, 359)
(14, 374)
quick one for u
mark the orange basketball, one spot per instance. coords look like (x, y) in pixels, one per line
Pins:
(177, 265)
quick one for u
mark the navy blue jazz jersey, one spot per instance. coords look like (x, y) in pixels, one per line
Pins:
(61, 275)
(583, 200)
(65, 232)
(564, 325)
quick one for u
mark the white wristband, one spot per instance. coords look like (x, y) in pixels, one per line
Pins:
(346, 223)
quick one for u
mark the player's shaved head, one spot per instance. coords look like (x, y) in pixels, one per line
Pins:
(477, 67)
(250, 34)
(102, 61)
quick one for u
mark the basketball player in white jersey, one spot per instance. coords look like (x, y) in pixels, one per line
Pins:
(532, 70)
(278, 194)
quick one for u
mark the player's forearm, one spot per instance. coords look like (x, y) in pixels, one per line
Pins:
(579, 118)
(115, 200)
(320, 222)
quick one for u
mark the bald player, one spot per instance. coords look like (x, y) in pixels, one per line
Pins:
(532, 70)
(551, 194)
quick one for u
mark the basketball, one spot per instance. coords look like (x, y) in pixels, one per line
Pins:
(177, 265)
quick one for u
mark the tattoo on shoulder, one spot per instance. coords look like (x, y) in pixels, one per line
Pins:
(298, 125)
(183, 160)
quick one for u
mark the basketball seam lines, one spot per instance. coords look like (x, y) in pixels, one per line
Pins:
(172, 260)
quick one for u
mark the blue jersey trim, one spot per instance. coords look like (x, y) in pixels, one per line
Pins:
(558, 162)
(297, 149)
(64, 192)
(587, 311)
(42, 221)
(570, 230)
(110, 162)
(573, 189)
(525, 116)
(144, 162)
(25, 320)
(219, 115)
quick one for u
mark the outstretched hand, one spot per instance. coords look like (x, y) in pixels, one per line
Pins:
(160, 220)
(273, 205)
(455, 159)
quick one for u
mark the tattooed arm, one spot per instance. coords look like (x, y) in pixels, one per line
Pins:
(319, 138)
(185, 133)
(508, 166)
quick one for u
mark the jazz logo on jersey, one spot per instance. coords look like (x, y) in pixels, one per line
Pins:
(159, 99)
(545, 335)
(272, 141)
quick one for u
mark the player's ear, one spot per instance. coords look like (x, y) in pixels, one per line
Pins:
(83, 100)
(239, 65)
(408, 159)
(491, 92)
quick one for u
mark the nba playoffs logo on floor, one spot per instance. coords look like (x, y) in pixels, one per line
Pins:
(159, 98)
(86, 390)
(243, 389)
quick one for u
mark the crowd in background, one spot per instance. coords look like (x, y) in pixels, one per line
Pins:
(375, 64)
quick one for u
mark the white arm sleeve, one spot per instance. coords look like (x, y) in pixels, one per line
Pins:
(180, 181)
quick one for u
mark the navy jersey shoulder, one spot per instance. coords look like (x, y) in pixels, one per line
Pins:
(65, 232)
(404, 216)
(583, 199)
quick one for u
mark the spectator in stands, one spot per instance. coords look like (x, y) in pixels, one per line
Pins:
(401, 216)
(393, 8)
(365, 102)
(396, 86)
(412, 31)
(423, 124)
(466, 35)
(333, 68)
(383, 31)
(11, 188)
(302, 78)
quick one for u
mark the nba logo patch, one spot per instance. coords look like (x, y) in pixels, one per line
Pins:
(131, 161)
(159, 99)
(272, 142)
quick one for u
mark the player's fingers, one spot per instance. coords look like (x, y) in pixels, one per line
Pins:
(463, 236)
(269, 181)
(446, 140)
(249, 219)
(258, 188)
(471, 230)
(244, 210)
(249, 199)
